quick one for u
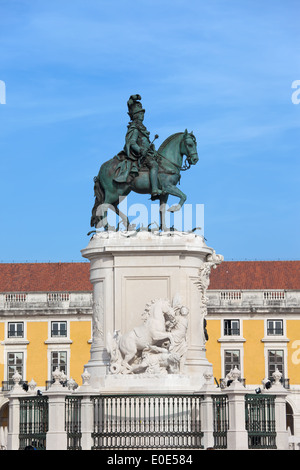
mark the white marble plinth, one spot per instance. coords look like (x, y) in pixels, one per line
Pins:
(170, 383)
(129, 269)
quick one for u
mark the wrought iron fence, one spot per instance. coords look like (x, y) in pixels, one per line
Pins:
(33, 422)
(147, 422)
(73, 422)
(221, 423)
(260, 421)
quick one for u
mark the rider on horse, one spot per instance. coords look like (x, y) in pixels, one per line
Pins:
(138, 150)
(142, 169)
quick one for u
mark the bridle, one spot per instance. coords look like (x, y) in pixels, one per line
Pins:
(187, 163)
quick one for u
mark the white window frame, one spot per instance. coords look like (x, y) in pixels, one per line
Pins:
(59, 336)
(232, 320)
(13, 348)
(232, 347)
(231, 338)
(274, 320)
(276, 346)
(60, 350)
(9, 322)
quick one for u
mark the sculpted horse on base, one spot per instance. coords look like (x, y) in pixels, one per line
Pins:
(123, 349)
(109, 193)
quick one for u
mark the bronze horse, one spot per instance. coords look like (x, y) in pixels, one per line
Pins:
(109, 193)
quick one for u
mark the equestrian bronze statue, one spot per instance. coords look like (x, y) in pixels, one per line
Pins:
(139, 167)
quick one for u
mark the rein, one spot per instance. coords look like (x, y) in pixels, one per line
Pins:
(185, 167)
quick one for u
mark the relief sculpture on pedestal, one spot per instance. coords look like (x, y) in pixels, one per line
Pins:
(157, 346)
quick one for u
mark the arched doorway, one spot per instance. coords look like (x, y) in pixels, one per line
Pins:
(3, 426)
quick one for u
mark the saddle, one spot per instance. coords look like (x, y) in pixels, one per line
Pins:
(127, 169)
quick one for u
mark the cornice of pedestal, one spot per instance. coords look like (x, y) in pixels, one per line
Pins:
(134, 241)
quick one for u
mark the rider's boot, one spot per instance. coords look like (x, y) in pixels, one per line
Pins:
(154, 183)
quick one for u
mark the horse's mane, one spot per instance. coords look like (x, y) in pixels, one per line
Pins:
(168, 139)
(149, 306)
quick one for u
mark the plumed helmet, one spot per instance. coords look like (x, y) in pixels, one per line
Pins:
(134, 106)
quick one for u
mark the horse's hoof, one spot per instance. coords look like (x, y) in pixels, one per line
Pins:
(175, 208)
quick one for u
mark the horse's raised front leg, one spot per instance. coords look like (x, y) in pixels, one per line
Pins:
(174, 191)
(161, 335)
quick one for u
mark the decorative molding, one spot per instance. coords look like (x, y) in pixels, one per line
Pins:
(98, 319)
(146, 235)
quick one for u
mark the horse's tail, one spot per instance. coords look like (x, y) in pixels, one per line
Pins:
(99, 199)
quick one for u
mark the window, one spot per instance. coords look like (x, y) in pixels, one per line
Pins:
(275, 361)
(59, 361)
(231, 327)
(58, 328)
(232, 360)
(275, 327)
(14, 364)
(16, 330)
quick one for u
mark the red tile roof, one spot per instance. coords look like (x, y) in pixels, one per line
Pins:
(44, 277)
(74, 277)
(256, 275)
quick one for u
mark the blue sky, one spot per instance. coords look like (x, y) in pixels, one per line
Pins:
(223, 69)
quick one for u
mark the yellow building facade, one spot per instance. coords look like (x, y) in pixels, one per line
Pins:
(40, 345)
(253, 323)
(253, 350)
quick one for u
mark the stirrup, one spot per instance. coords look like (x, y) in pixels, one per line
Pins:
(156, 192)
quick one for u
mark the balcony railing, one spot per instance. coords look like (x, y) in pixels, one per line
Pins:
(274, 295)
(226, 382)
(253, 298)
(15, 298)
(284, 382)
(48, 383)
(7, 385)
(58, 297)
(231, 295)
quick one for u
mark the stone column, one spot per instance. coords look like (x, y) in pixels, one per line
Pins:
(86, 422)
(237, 435)
(280, 411)
(13, 424)
(87, 417)
(56, 438)
(207, 412)
(14, 413)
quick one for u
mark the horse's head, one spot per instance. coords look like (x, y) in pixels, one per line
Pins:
(189, 147)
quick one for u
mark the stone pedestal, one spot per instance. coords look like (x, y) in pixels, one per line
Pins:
(129, 270)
